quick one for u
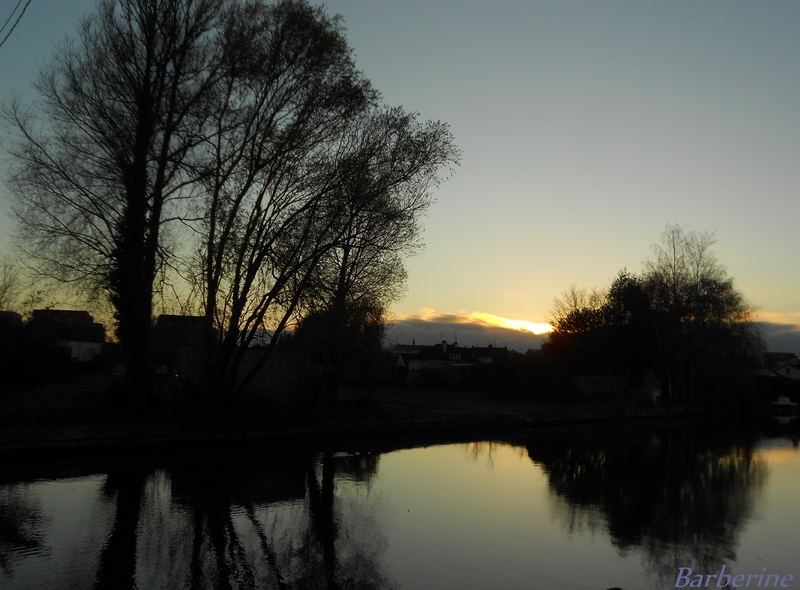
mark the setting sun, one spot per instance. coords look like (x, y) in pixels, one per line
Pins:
(512, 324)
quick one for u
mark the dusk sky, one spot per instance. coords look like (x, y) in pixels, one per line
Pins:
(586, 128)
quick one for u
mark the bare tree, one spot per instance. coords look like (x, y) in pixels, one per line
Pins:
(100, 159)
(239, 130)
(270, 205)
(10, 286)
(577, 309)
(682, 317)
(392, 162)
(323, 227)
(696, 305)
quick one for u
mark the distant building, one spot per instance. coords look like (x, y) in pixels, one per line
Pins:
(787, 370)
(178, 343)
(780, 364)
(180, 329)
(488, 355)
(74, 332)
(450, 359)
(10, 325)
(770, 360)
(417, 357)
(413, 348)
(440, 355)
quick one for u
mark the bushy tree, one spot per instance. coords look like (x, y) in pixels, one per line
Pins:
(699, 315)
(341, 347)
(682, 317)
(577, 320)
(595, 331)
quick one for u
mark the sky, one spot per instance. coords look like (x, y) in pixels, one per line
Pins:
(586, 128)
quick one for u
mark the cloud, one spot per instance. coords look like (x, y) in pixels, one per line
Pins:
(523, 325)
(475, 329)
(772, 317)
(480, 318)
(781, 337)
(480, 329)
(781, 330)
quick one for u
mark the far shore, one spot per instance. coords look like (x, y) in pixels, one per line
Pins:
(82, 419)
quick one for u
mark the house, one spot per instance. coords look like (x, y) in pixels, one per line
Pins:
(441, 355)
(787, 370)
(488, 355)
(408, 349)
(74, 332)
(10, 325)
(449, 360)
(770, 360)
(416, 357)
(779, 364)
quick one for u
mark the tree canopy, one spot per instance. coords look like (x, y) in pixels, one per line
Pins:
(682, 318)
(228, 146)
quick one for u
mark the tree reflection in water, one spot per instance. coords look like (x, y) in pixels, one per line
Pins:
(681, 495)
(117, 568)
(21, 524)
(271, 522)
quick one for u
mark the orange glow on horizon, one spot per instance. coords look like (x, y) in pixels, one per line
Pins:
(778, 317)
(524, 325)
(778, 454)
(481, 318)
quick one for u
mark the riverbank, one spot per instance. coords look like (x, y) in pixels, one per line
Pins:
(64, 420)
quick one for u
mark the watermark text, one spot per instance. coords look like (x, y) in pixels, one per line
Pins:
(688, 579)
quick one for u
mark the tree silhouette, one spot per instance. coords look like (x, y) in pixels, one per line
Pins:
(681, 495)
(228, 146)
(100, 161)
(682, 318)
(700, 316)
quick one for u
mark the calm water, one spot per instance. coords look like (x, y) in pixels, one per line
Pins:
(597, 508)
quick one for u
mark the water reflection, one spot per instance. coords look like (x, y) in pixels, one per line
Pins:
(682, 496)
(21, 523)
(122, 490)
(276, 525)
(667, 496)
(212, 522)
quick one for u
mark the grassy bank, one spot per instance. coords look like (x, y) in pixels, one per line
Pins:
(85, 413)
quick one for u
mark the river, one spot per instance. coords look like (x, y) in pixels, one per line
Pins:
(618, 506)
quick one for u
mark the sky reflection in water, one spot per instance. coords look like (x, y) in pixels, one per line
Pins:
(595, 508)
